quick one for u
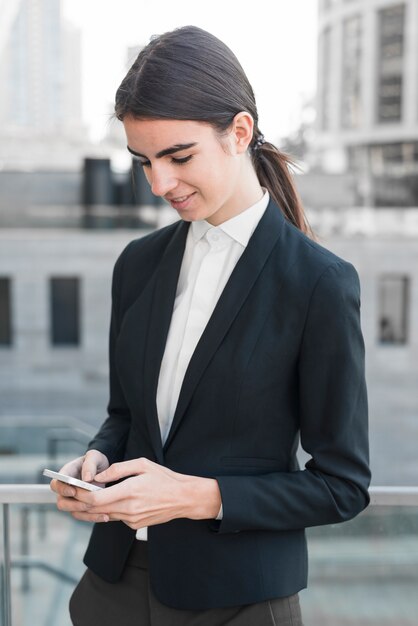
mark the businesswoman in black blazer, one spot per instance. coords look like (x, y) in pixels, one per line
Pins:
(232, 334)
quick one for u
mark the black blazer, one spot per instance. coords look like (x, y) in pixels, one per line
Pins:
(282, 354)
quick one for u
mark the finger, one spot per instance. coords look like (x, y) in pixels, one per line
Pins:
(62, 489)
(133, 525)
(89, 467)
(88, 517)
(73, 468)
(130, 521)
(105, 498)
(137, 523)
(71, 505)
(124, 469)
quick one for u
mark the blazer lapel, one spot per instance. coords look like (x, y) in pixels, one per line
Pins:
(161, 311)
(230, 302)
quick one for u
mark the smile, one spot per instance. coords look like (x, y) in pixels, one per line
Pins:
(181, 203)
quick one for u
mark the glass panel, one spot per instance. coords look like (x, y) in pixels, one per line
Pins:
(364, 571)
(361, 572)
(47, 548)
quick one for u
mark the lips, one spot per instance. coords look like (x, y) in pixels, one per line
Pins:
(181, 202)
(180, 198)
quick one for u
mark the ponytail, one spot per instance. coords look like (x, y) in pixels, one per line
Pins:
(273, 169)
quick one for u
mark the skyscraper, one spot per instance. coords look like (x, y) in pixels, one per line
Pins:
(40, 75)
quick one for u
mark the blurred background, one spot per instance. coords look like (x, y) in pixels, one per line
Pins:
(336, 82)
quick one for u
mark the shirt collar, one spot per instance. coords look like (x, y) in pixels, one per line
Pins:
(240, 227)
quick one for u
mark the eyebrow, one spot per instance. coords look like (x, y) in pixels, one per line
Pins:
(171, 150)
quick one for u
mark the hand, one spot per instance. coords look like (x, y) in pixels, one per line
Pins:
(85, 467)
(151, 494)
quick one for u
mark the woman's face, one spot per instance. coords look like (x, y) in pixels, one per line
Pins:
(185, 163)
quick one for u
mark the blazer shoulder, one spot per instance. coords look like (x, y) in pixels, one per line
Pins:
(315, 257)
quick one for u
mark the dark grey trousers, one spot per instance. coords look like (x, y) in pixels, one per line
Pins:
(130, 602)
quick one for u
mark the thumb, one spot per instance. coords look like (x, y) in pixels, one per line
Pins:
(124, 469)
(89, 468)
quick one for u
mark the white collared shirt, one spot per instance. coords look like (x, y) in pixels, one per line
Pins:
(210, 255)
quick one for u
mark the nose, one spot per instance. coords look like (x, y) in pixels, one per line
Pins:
(162, 180)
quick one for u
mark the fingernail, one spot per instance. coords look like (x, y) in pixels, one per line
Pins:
(69, 492)
(105, 518)
(87, 476)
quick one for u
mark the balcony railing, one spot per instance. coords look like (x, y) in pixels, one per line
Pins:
(16, 494)
(41, 494)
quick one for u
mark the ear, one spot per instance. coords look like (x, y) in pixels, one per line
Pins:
(242, 131)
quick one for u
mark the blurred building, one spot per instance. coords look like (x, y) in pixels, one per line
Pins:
(40, 69)
(61, 231)
(40, 73)
(55, 311)
(115, 135)
(367, 96)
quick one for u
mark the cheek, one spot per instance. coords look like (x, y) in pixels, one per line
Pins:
(219, 174)
(223, 177)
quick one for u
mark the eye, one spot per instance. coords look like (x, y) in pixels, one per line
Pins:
(181, 161)
(173, 160)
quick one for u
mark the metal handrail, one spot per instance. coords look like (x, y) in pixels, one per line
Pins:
(26, 494)
(393, 496)
(42, 494)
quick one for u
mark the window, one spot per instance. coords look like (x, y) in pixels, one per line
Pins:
(390, 72)
(326, 78)
(352, 53)
(64, 307)
(5, 313)
(393, 308)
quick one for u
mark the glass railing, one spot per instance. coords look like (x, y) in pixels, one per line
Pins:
(41, 554)
(362, 573)
(365, 572)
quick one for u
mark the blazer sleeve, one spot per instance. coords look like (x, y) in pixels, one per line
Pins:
(333, 417)
(112, 435)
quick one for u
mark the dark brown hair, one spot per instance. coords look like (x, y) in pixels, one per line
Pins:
(189, 74)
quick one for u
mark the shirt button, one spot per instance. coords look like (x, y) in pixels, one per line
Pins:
(215, 237)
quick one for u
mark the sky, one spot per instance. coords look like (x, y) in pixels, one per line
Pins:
(274, 40)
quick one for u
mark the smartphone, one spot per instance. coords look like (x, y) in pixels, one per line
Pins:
(71, 480)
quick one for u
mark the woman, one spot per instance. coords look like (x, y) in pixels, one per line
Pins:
(232, 332)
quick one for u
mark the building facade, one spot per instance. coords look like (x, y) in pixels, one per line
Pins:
(55, 312)
(367, 97)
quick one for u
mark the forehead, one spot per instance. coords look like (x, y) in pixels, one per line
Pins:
(162, 133)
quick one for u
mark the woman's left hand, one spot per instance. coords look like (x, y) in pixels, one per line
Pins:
(150, 494)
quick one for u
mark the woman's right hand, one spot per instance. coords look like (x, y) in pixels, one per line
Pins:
(85, 467)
